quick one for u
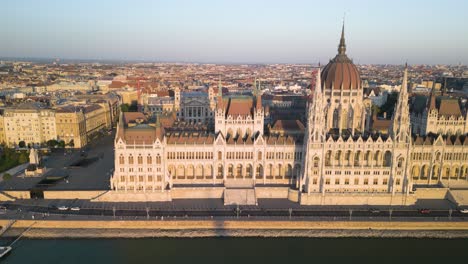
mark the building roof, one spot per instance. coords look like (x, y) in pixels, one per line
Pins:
(287, 126)
(131, 117)
(239, 106)
(340, 72)
(449, 107)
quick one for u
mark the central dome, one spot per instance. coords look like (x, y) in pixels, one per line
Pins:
(340, 72)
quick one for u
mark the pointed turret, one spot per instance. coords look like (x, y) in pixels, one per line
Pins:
(431, 104)
(159, 129)
(342, 46)
(120, 127)
(400, 122)
(220, 95)
(316, 110)
(258, 96)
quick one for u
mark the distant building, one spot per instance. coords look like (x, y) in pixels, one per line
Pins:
(438, 115)
(71, 126)
(30, 122)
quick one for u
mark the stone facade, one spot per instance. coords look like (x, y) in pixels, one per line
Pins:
(333, 156)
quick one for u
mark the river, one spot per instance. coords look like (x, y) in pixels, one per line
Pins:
(238, 250)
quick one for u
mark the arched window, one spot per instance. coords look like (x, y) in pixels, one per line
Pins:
(121, 159)
(328, 157)
(400, 162)
(388, 158)
(316, 162)
(220, 155)
(140, 159)
(130, 159)
(158, 159)
(149, 159)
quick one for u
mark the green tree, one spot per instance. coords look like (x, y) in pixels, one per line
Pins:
(71, 143)
(124, 107)
(61, 144)
(23, 158)
(6, 176)
(22, 144)
(52, 143)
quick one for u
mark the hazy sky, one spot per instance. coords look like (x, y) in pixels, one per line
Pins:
(250, 31)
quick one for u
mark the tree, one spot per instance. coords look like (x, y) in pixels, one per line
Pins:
(71, 143)
(61, 144)
(23, 158)
(52, 143)
(22, 144)
(6, 176)
(124, 107)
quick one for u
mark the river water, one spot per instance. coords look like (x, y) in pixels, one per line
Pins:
(239, 250)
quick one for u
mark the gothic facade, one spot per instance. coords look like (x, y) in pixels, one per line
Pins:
(333, 153)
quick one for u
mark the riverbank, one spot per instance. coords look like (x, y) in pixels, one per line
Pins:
(233, 228)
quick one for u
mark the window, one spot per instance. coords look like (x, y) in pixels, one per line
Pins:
(130, 159)
(149, 160)
(121, 159)
(220, 155)
(337, 181)
(158, 159)
(327, 181)
(397, 181)
(366, 181)
(376, 181)
(356, 181)
(315, 181)
(384, 182)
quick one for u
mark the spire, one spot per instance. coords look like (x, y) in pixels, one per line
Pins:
(159, 130)
(318, 83)
(254, 87)
(342, 46)
(404, 84)
(259, 97)
(220, 95)
(220, 88)
(400, 123)
(432, 98)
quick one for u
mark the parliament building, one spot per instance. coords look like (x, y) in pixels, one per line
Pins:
(334, 158)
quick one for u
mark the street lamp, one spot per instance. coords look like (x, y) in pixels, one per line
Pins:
(113, 211)
(237, 211)
(290, 213)
(147, 212)
(350, 214)
(390, 214)
(450, 213)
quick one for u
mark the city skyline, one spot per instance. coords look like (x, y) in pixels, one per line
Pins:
(241, 32)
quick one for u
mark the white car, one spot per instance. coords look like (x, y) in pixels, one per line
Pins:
(464, 211)
(62, 208)
(75, 208)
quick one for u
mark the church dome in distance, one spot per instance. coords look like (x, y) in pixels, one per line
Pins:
(340, 72)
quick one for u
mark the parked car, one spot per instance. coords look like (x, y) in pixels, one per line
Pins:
(62, 208)
(75, 208)
(424, 211)
(464, 211)
(374, 210)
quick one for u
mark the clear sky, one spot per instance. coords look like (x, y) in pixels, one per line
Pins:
(237, 31)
